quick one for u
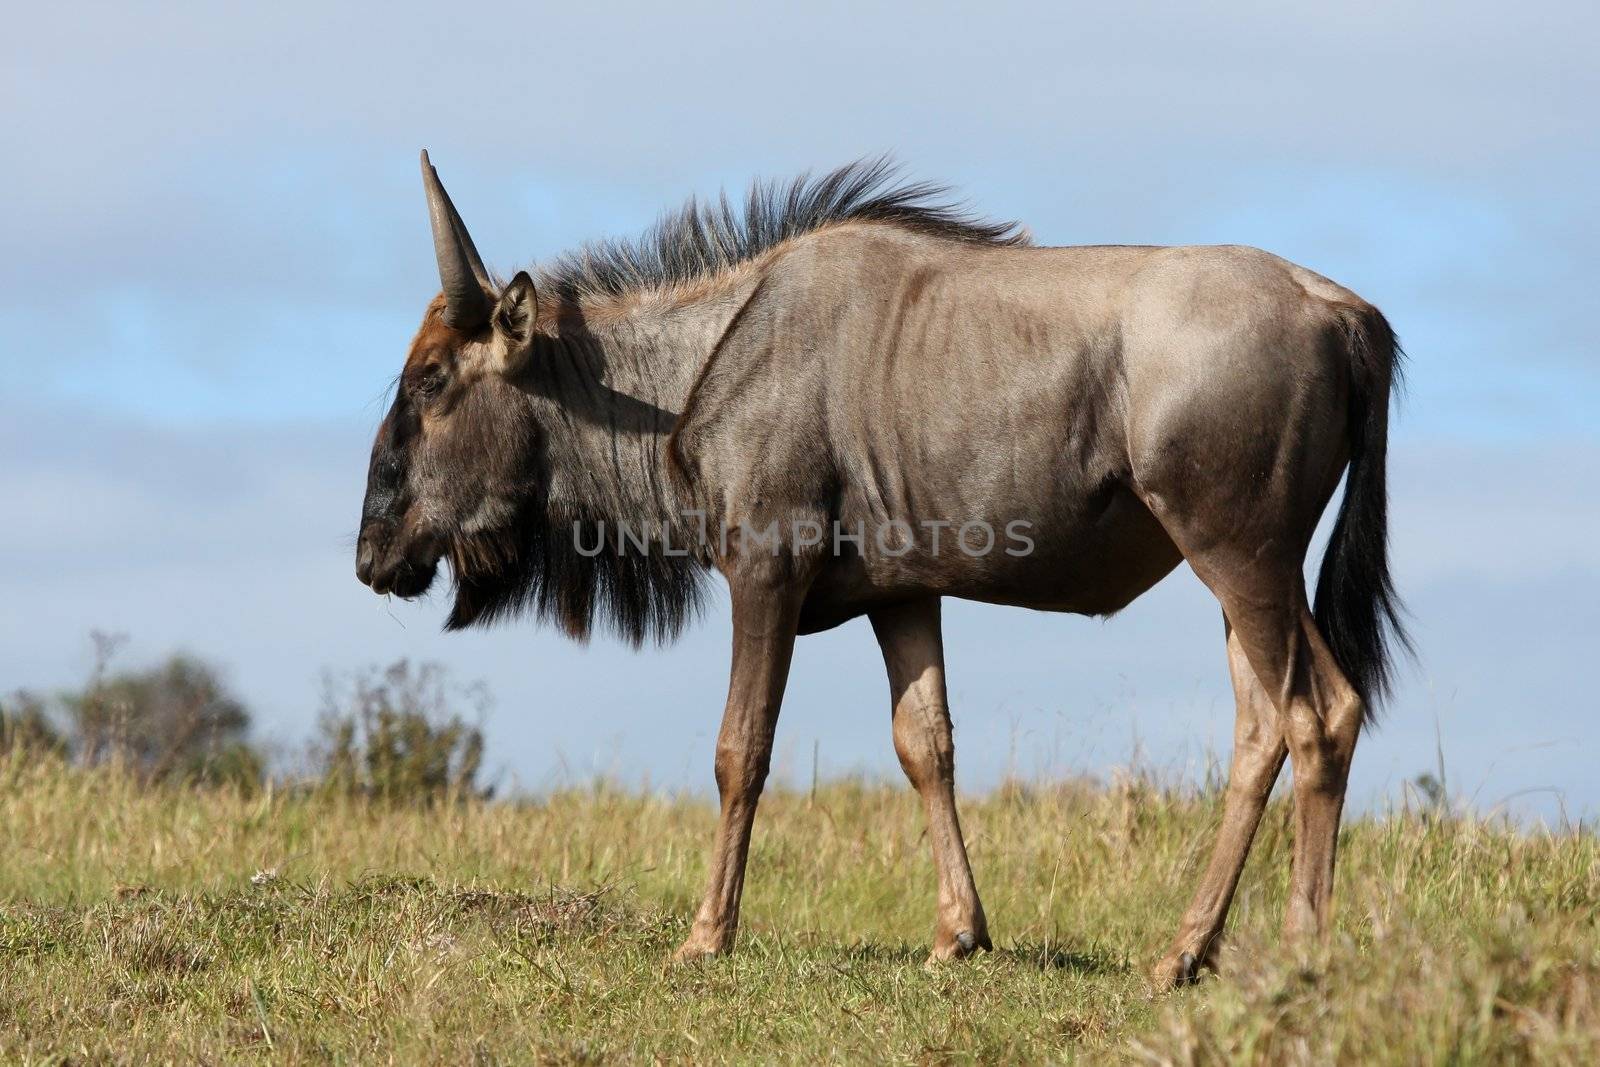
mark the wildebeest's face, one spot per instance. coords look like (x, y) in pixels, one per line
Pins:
(453, 459)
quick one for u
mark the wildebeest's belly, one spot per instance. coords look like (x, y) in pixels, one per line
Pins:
(1089, 557)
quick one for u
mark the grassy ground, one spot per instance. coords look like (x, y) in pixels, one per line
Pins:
(169, 924)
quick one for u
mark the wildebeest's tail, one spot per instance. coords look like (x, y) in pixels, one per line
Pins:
(1357, 608)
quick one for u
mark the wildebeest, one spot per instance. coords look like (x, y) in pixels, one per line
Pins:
(805, 394)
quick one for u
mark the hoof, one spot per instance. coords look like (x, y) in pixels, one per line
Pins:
(1176, 970)
(959, 946)
(693, 951)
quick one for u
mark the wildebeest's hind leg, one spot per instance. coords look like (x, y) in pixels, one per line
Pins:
(913, 652)
(1319, 712)
(1237, 465)
(1258, 755)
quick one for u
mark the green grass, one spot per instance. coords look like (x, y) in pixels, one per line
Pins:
(143, 924)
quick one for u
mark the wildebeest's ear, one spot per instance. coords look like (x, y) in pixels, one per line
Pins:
(514, 317)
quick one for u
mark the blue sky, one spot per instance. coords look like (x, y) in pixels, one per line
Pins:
(216, 253)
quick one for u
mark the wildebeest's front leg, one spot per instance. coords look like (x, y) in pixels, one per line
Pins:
(765, 612)
(913, 651)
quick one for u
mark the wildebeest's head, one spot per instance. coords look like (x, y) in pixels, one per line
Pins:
(453, 460)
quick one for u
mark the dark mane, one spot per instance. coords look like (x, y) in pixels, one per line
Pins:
(533, 565)
(702, 239)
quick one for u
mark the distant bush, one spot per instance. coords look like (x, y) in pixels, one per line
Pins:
(175, 721)
(26, 727)
(399, 734)
(402, 733)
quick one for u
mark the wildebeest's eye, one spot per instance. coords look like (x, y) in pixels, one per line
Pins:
(431, 384)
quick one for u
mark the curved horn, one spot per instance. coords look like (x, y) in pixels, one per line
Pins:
(461, 270)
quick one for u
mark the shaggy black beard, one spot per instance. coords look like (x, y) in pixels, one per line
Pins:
(533, 567)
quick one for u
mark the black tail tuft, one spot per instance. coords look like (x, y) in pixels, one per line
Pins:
(1356, 606)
